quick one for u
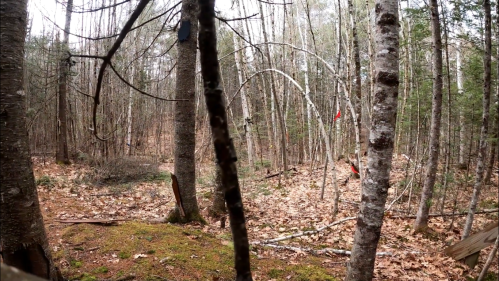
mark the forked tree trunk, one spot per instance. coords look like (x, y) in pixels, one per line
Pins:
(62, 154)
(24, 242)
(425, 203)
(482, 149)
(185, 120)
(380, 149)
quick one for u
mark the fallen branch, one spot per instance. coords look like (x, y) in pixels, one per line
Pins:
(316, 252)
(486, 211)
(310, 232)
(94, 221)
(279, 173)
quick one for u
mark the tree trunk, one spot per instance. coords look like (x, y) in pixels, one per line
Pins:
(462, 159)
(425, 203)
(482, 149)
(24, 242)
(224, 149)
(62, 154)
(244, 102)
(185, 120)
(384, 114)
(217, 208)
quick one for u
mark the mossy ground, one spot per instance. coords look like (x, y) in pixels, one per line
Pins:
(95, 252)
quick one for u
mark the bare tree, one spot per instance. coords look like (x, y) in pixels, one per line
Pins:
(482, 149)
(380, 149)
(62, 154)
(425, 203)
(24, 242)
(224, 148)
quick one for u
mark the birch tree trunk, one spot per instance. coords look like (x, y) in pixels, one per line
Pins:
(244, 100)
(23, 241)
(482, 150)
(185, 120)
(384, 114)
(62, 153)
(425, 203)
(460, 90)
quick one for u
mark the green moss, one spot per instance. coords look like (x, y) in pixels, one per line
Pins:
(88, 277)
(101, 269)
(175, 217)
(76, 264)
(46, 180)
(193, 254)
(312, 273)
(275, 273)
(124, 255)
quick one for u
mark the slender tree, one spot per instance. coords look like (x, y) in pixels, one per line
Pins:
(62, 154)
(482, 149)
(380, 148)
(24, 242)
(425, 203)
(185, 120)
(224, 149)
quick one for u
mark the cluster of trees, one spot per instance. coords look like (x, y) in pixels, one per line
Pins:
(283, 72)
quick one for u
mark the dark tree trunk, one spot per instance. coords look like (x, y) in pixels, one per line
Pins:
(23, 239)
(185, 119)
(380, 148)
(482, 149)
(224, 149)
(425, 203)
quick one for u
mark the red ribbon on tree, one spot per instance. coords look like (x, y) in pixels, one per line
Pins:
(337, 116)
(353, 169)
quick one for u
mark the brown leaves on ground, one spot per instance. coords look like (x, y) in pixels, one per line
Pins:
(276, 209)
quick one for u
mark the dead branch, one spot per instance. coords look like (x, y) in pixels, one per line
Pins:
(310, 232)
(486, 211)
(316, 252)
(93, 221)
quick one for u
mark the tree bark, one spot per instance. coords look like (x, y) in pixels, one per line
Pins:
(217, 208)
(482, 149)
(62, 154)
(185, 120)
(23, 240)
(384, 114)
(425, 203)
(224, 149)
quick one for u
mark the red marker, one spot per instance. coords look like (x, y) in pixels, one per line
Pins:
(353, 169)
(337, 116)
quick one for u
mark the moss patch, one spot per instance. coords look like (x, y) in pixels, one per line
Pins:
(166, 251)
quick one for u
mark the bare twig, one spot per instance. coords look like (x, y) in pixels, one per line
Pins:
(317, 252)
(310, 232)
(486, 211)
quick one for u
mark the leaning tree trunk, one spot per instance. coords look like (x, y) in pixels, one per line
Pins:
(380, 148)
(185, 120)
(23, 240)
(425, 203)
(62, 154)
(224, 148)
(482, 149)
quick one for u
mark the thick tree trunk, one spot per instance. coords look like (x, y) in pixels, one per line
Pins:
(62, 154)
(384, 114)
(425, 203)
(24, 242)
(224, 149)
(482, 149)
(185, 120)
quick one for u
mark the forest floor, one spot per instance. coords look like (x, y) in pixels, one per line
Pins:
(139, 248)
